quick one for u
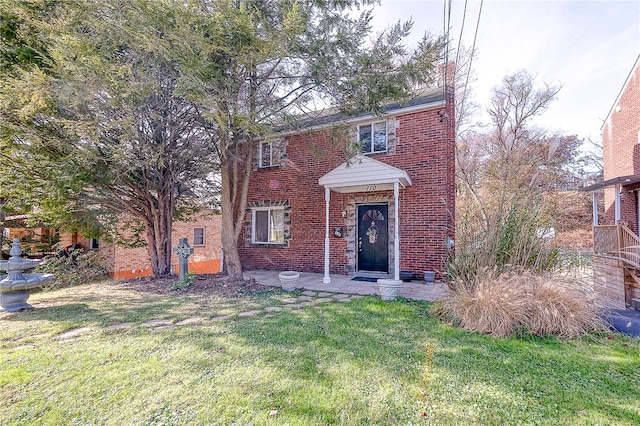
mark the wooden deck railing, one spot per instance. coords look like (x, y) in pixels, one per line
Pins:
(617, 241)
(606, 239)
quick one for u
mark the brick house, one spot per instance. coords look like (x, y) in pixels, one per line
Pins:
(203, 233)
(621, 155)
(616, 234)
(389, 208)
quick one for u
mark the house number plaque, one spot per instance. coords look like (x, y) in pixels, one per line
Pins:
(371, 188)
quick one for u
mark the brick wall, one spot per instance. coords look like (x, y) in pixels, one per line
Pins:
(423, 147)
(621, 148)
(122, 262)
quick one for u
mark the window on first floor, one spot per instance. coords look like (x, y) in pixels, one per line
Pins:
(94, 244)
(267, 225)
(269, 154)
(372, 137)
(198, 236)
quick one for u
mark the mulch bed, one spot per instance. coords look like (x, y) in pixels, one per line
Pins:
(218, 284)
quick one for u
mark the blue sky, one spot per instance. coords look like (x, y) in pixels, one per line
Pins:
(588, 46)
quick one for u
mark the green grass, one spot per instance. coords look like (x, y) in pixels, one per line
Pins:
(364, 362)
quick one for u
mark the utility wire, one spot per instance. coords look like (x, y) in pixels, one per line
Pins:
(446, 26)
(473, 52)
(464, 15)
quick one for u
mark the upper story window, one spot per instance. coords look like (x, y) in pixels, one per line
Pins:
(269, 153)
(198, 236)
(373, 137)
(267, 225)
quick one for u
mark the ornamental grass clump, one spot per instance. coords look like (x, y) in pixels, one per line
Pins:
(521, 303)
(557, 309)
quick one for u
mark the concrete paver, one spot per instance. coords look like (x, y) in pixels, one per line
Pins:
(156, 322)
(190, 321)
(294, 306)
(120, 325)
(250, 313)
(164, 327)
(340, 296)
(221, 317)
(74, 332)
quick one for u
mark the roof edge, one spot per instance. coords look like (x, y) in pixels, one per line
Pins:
(624, 86)
(421, 103)
(623, 180)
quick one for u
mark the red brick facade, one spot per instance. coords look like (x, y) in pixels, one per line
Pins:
(124, 262)
(621, 149)
(423, 146)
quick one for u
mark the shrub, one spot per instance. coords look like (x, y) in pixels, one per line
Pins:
(78, 267)
(509, 239)
(517, 303)
(188, 280)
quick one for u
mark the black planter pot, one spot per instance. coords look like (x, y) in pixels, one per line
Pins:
(406, 276)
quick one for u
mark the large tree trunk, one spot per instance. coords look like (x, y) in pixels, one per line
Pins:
(235, 171)
(158, 227)
(166, 205)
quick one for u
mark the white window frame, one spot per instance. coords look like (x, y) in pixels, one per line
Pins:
(272, 145)
(253, 225)
(371, 126)
(203, 237)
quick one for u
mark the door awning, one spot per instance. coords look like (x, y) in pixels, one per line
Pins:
(364, 174)
(620, 180)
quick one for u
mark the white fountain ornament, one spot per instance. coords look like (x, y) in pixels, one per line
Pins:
(14, 287)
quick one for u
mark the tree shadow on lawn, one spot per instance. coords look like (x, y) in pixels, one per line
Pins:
(97, 313)
(487, 379)
(361, 362)
(100, 306)
(329, 361)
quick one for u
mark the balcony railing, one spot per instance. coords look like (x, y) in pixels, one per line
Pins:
(617, 241)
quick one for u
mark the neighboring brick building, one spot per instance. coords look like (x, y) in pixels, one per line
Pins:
(616, 242)
(306, 201)
(203, 234)
(621, 149)
(621, 155)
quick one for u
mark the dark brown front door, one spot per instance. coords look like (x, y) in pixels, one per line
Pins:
(373, 238)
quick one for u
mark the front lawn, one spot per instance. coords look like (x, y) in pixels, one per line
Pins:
(361, 362)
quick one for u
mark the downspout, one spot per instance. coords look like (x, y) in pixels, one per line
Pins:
(617, 203)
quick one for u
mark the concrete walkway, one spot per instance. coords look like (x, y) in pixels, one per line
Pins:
(417, 290)
(289, 303)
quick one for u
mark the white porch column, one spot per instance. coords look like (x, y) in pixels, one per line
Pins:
(327, 197)
(617, 203)
(396, 239)
(594, 202)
